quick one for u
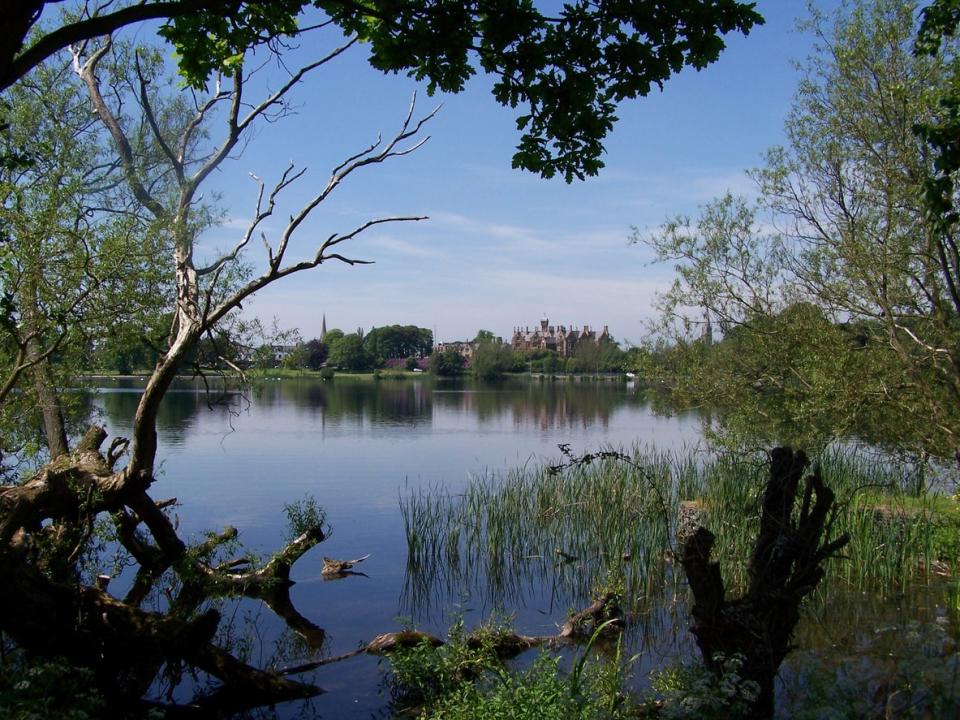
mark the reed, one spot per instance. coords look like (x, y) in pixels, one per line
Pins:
(572, 526)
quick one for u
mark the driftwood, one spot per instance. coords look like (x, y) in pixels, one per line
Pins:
(333, 568)
(46, 608)
(786, 565)
(587, 620)
(505, 644)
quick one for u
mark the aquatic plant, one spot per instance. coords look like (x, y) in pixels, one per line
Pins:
(464, 678)
(569, 525)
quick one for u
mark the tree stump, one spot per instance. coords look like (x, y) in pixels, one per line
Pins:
(785, 566)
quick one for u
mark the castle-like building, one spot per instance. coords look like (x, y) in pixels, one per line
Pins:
(556, 338)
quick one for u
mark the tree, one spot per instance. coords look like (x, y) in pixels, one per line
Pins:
(349, 353)
(164, 156)
(544, 361)
(850, 185)
(446, 363)
(853, 240)
(570, 70)
(297, 358)
(491, 359)
(78, 270)
(397, 341)
(264, 358)
(793, 544)
(332, 336)
(940, 132)
(316, 354)
(225, 28)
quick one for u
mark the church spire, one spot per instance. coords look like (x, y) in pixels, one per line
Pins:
(323, 328)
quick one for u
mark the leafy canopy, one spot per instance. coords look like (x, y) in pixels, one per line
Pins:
(568, 71)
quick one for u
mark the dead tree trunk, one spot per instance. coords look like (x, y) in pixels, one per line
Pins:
(785, 567)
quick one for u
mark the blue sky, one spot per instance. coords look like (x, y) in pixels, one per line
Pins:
(502, 247)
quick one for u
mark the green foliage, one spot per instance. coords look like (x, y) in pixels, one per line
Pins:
(589, 357)
(691, 692)
(397, 341)
(464, 679)
(305, 516)
(569, 73)
(845, 319)
(332, 336)
(542, 692)
(349, 353)
(446, 363)
(424, 674)
(568, 69)
(491, 360)
(34, 689)
(941, 20)
(77, 264)
(546, 362)
(297, 358)
(264, 358)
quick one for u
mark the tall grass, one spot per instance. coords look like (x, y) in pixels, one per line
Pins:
(574, 527)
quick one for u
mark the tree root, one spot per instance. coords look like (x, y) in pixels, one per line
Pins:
(48, 611)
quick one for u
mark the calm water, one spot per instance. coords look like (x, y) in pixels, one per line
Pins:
(358, 447)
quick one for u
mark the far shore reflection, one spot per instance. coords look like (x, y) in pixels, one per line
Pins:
(527, 404)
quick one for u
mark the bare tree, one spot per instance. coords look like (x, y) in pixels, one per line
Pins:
(41, 538)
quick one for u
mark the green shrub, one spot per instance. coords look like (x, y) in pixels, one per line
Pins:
(691, 692)
(36, 690)
(464, 679)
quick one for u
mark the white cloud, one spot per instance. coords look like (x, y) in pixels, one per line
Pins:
(405, 247)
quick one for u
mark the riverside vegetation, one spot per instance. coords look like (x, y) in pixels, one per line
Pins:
(806, 326)
(614, 521)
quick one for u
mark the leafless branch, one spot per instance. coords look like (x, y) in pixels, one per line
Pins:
(237, 126)
(288, 178)
(175, 162)
(369, 156)
(272, 275)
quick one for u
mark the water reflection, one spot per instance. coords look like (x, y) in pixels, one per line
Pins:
(538, 405)
(177, 413)
(409, 403)
(357, 446)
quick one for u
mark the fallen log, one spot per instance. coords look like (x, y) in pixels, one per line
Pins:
(332, 567)
(504, 644)
(606, 607)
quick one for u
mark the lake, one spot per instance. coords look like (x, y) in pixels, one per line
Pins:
(358, 447)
